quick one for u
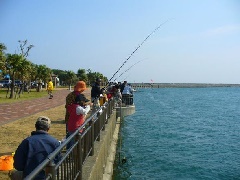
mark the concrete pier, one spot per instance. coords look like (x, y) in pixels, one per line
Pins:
(100, 166)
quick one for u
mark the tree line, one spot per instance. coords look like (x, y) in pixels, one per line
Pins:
(18, 66)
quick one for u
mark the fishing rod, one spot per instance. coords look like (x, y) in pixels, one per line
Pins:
(127, 70)
(136, 50)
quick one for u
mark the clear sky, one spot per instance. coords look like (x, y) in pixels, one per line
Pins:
(200, 43)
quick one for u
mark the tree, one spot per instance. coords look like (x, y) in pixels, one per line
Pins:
(32, 72)
(24, 50)
(81, 74)
(17, 66)
(43, 74)
(92, 76)
(13, 66)
(71, 77)
(61, 75)
(2, 56)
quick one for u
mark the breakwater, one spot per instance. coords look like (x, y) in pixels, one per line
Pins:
(180, 85)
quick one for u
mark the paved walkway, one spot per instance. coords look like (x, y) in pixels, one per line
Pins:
(13, 111)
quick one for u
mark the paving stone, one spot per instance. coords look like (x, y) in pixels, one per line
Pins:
(13, 111)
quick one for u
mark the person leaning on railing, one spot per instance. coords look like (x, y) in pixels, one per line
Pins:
(114, 91)
(127, 95)
(34, 150)
(77, 113)
(70, 99)
(96, 91)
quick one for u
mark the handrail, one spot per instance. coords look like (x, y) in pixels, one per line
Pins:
(70, 165)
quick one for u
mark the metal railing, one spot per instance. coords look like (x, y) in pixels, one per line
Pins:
(72, 159)
(127, 99)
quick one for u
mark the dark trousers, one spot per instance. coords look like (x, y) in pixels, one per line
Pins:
(127, 99)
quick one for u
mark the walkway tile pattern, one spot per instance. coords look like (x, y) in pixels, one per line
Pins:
(13, 111)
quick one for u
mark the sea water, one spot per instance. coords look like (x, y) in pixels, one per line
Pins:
(181, 133)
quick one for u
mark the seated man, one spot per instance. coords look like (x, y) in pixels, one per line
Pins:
(34, 150)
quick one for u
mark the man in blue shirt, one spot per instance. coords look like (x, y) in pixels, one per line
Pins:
(35, 149)
(127, 95)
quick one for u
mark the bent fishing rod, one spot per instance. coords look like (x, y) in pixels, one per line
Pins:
(135, 51)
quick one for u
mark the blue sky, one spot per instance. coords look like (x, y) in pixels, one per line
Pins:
(200, 43)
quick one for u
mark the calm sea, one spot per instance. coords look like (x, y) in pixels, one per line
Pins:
(181, 133)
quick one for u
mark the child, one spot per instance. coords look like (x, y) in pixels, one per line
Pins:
(77, 111)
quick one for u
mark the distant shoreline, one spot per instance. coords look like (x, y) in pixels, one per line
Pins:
(181, 85)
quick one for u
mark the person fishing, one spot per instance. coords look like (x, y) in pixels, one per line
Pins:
(123, 86)
(96, 87)
(114, 92)
(127, 95)
(70, 99)
(77, 113)
(96, 91)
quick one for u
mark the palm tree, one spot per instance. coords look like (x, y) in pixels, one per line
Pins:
(42, 75)
(71, 76)
(13, 66)
(81, 74)
(2, 56)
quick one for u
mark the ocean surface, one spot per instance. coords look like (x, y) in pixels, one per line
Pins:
(181, 133)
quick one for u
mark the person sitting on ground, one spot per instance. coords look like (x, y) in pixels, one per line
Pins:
(34, 150)
(77, 111)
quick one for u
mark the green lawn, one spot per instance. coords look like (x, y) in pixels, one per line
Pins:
(23, 96)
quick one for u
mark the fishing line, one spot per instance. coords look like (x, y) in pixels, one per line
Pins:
(137, 49)
(127, 70)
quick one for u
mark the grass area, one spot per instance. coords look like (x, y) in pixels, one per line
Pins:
(12, 134)
(4, 96)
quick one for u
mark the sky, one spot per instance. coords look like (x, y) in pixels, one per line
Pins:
(198, 40)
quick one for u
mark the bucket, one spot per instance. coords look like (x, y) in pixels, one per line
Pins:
(6, 163)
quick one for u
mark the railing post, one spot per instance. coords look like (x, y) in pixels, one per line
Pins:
(79, 156)
(112, 105)
(50, 170)
(109, 109)
(103, 118)
(92, 137)
(99, 119)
